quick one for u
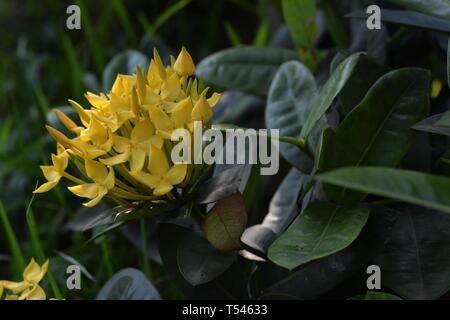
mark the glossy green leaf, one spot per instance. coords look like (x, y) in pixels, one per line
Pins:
(377, 131)
(123, 63)
(438, 8)
(290, 99)
(328, 93)
(408, 18)
(299, 16)
(419, 188)
(321, 230)
(128, 284)
(170, 237)
(438, 123)
(199, 262)
(366, 73)
(415, 262)
(249, 69)
(225, 223)
(283, 208)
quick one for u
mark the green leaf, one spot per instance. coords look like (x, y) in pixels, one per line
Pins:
(224, 224)
(249, 69)
(199, 262)
(438, 123)
(328, 93)
(438, 8)
(408, 18)
(128, 284)
(299, 16)
(170, 237)
(123, 63)
(377, 131)
(282, 210)
(448, 62)
(376, 295)
(321, 230)
(335, 24)
(221, 185)
(423, 189)
(415, 262)
(290, 99)
(366, 73)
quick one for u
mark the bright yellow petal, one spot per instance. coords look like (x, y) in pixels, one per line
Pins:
(171, 88)
(110, 179)
(97, 199)
(89, 151)
(59, 137)
(202, 110)
(15, 287)
(96, 170)
(214, 99)
(36, 293)
(82, 113)
(162, 188)
(159, 65)
(141, 83)
(60, 162)
(46, 187)
(181, 114)
(158, 164)
(123, 84)
(97, 101)
(142, 131)
(157, 141)
(121, 144)
(65, 120)
(176, 174)
(50, 173)
(145, 178)
(137, 159)
(160, 119)
(34, 273)
(184, 65)
(88, 190)
(117, 159)
(97, 132)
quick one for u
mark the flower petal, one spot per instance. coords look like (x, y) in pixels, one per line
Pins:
(145, 178)
(96, 170)
(88, 190)
(117, 159)
(176, 174)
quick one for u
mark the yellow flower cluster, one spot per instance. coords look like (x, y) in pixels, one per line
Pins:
(29, 288)
(122, 144)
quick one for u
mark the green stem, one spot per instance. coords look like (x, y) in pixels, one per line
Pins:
(147, 269)
(38, 251)
(12, 239)
(107, 255)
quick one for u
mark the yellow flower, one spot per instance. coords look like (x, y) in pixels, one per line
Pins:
(121, 141)
(184, 65)
(103, 182)
(136, 148)
(162, 177)
(29, 288)
(53, 173)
